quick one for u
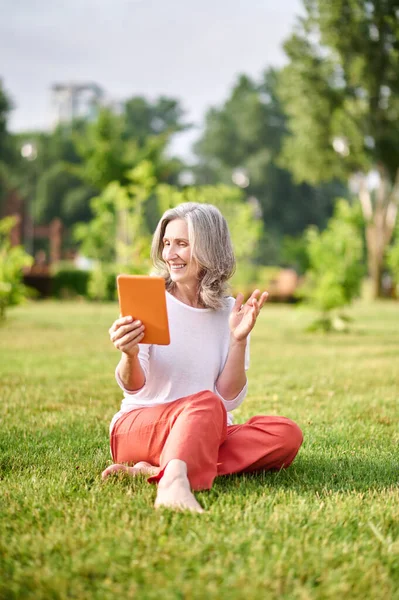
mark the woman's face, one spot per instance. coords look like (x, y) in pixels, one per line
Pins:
(176, 253)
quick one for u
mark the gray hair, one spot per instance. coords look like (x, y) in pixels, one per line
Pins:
(210, 245)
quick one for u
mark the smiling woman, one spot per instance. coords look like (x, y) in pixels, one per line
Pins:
(175, 422)
(197, 243)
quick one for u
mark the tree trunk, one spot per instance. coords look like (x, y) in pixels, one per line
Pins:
(380, 212)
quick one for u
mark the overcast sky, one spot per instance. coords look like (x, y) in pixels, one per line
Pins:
(191, 50)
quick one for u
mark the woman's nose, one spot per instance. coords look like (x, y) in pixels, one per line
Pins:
(171, 251)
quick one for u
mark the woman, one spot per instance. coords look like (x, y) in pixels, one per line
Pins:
(175, 421)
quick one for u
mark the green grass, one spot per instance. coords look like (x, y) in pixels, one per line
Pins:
(326, 528)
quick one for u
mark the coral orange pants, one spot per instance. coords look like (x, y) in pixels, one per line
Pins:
(194, 429)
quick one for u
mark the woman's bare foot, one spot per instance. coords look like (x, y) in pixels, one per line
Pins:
(140, 468)
(174, 489)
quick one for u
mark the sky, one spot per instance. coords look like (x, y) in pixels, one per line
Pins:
(186, 49)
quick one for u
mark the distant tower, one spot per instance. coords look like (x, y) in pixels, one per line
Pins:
(75, 100)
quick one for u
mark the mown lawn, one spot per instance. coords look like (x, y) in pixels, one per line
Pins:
(328, 527)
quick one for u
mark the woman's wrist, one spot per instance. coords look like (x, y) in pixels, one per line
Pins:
(130, 372)
(234, 342)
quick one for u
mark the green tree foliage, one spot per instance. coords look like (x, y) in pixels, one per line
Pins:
(117, 237)
(247, 133)
(335, 264)
(5, 107)
(116, 143)
(105, 156)
(340, 92)
(46, 177)
(145, 119)
(393, 260)
(118, 231)
(12, 261)
(60, 193)
(7, 154)
(77, 161)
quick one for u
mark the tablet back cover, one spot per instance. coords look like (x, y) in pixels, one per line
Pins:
(143, 297)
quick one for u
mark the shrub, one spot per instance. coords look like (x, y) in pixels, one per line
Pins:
(294, 253)
(336, 266)
(102, 282)
(12, 261)
(393, 261)
(69, 282)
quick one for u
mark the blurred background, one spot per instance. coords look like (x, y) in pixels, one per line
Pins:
(284, 115)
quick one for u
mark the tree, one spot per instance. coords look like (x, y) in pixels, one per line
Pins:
(144, 119)
(104, 154)
(118, 231)
(7, 155)
(5, 107)
(46, 176)
(70, 165)
(340, 91)
(112, 145)
(245, 136)
(60, 193)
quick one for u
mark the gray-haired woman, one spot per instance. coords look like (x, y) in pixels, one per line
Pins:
(175, 421)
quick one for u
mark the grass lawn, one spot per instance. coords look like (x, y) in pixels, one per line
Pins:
(326, 528)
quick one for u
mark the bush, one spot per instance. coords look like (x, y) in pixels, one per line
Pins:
(336, 268)
(102, 282)
(12, 261)
(98, 284)
(393, 261)
(294, 253)
(69, 282)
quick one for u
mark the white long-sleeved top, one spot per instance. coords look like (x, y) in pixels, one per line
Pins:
(191, 363)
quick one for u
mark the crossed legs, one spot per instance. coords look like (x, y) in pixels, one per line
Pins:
(185, 444)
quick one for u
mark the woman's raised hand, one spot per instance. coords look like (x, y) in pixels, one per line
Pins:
(126, 334)
(243, 316)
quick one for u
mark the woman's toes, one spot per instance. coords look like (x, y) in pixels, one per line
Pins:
(113, 469)
(140, 468)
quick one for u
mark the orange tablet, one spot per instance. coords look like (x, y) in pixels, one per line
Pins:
(143, 297)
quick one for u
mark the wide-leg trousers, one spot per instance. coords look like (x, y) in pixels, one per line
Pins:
(194, 429)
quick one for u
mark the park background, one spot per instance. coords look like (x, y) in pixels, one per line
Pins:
(286, 118)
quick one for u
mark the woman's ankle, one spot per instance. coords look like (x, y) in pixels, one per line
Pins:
(175, 469)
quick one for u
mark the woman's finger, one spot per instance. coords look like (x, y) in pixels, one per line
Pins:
(134, 344)
(254, 294)
(129, 340)
(263, 298)
(120, 322)
(124, 330)
(238, 303)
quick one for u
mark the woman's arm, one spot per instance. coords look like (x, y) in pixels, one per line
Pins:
(126, 335)
(130, 373)
(232, 379)
(242, 320)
